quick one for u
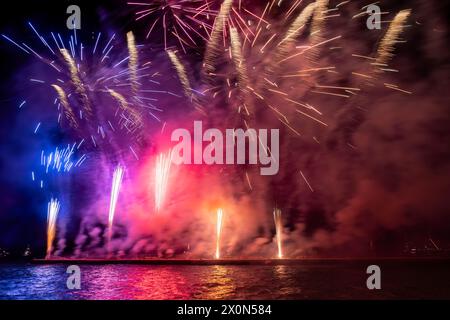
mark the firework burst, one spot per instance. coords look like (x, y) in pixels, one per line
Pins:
(186, 21)
(98, 95)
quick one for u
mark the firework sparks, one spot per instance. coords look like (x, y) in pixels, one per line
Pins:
(132, 120)
(278, 231)
(77, 81)
(67, 109)
(52, 215)
(218, 231)
(115, 189)
(61, 159)
(162, 173)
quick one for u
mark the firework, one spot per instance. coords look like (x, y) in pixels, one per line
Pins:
(115, 189)
(218, 231)
(52, 215)
(278, 230)
(60, 160)
(162, 173)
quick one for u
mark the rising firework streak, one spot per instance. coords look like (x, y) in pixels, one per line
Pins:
(115, 189)
(52, 215)
(218, 231)
(278, 230)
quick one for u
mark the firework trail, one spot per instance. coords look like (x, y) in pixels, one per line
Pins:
(387, 45)
(278, 230)
(115, 189)
(162, 173)
(132, 120)
(181, 71)
(317, 27)
(52, 215)
(133, 61)
(238, 58)
(218, 231)
(213, 48)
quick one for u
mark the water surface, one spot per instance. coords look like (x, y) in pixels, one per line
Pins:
(321, 280)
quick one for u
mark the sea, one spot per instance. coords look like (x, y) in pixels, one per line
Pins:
(324, 280)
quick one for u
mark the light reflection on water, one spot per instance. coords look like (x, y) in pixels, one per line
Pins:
(309, 281)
